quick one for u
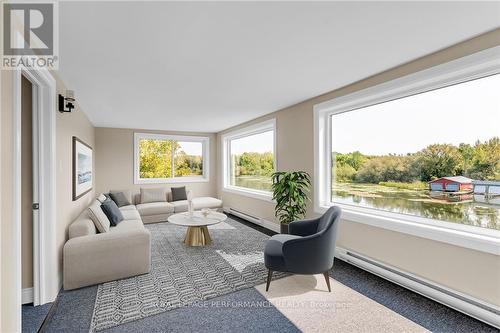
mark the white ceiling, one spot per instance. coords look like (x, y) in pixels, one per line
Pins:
(209, 66)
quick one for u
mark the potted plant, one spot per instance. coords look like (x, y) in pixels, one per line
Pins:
(290, 191)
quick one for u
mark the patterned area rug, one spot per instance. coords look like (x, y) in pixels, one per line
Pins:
(182, 275)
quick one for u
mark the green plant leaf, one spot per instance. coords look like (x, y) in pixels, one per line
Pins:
(290, 191)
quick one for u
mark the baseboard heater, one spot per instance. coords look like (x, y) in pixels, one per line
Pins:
(478, 309)
(254, 219)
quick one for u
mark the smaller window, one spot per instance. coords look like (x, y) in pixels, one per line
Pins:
(249, 159)
(169, 158)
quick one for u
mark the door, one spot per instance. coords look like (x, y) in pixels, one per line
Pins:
(36, 200)
(436, 187)
(29, 192)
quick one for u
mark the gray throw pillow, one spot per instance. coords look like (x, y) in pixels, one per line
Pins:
(112, 211)
(179, 193)
(119, 198)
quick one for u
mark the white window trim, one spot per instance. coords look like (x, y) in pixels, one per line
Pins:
(471, 67)
(194, 179)
(258, 128)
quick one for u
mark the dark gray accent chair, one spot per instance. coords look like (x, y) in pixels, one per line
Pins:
(309, 247)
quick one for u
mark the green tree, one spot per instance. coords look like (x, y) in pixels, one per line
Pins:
(254, 164)
(344, 173)
(355, 160)
(347, 165)
(156, 158)
(467, 153)
(372, 171)
(486, 160)
(438, 160)
(390, 168)
(187, 165)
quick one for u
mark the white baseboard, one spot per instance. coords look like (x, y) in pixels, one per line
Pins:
(467, 304)
(252, 218)
(27, 296)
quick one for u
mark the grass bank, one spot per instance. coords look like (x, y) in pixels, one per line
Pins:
(406, 186)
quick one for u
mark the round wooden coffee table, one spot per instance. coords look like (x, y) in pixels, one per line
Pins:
(197, 231)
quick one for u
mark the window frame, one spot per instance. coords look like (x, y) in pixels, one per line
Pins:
(204, 140)
(475, 66)
(261, 127)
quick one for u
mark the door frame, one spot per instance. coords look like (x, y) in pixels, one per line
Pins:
(46, 279)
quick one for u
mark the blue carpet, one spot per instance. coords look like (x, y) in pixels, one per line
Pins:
(226, 313)
(33, 317)
(421, 310)
(72, 311)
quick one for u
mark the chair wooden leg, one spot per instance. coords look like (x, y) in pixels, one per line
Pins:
(269, 277)
(327, 279)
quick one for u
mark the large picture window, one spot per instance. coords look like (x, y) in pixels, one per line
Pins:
(166, 158)
(422, 150)
(250, 159)
(423, 155)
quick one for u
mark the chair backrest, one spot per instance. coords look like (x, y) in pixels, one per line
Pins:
(327, 228)
(329, 218)
(318, 250)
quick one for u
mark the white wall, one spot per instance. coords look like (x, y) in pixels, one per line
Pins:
(68, 125)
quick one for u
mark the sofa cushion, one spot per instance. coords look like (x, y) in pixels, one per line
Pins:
(155, 208)
(131, 214)
(180, 206)
(179, 193)
(206, 202)
(157, 194)
(127, 225)
(273, 252)
(82, 226)
(129, 207)
(112, 211)
(97, 215)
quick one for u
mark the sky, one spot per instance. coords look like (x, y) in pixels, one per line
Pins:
(462, 113)
(192, 148)
(258, 143)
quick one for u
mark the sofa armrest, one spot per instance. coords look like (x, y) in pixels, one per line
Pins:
(105, 257)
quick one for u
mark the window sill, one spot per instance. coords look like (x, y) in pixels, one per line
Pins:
(171, 180)
(475, 238)
(255, 194)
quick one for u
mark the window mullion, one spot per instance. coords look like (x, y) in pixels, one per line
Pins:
(172, 163)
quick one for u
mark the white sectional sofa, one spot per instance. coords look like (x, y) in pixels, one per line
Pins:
(152, 212)
(91, 257)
